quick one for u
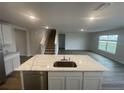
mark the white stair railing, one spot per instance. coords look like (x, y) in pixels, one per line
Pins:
(44, 40)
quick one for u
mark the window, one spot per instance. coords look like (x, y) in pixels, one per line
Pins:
(108, 43)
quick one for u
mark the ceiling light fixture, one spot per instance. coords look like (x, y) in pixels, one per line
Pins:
(47, 27)
(32, 17)
(82, 30)
(91, 18)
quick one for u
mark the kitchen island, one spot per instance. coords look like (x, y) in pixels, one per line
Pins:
(85, 76)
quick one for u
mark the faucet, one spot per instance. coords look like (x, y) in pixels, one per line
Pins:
(63, 57)
(69, 58)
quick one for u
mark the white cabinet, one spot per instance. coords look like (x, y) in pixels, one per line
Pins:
(74, 80)
(7, 33)
(92, 80)
(56, 83)
(16, 61)
(65, 80)
(8, 66)
(73, 83)
(91, 84)
(11, 62)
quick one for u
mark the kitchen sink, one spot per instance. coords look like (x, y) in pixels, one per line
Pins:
(65, 64)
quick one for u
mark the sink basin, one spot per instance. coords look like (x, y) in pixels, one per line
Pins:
(65, 64)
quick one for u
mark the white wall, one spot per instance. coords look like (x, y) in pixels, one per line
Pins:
(77, 41)
(35, 40)
(13, 46)
(119, 56)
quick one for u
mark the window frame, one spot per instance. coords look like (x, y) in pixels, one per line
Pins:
(107, 42)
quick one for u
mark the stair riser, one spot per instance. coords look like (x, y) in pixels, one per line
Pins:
(50, 47)
(49, 51)
(51, 44)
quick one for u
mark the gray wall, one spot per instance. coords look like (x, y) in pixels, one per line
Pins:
(119, 56)
(77, 41)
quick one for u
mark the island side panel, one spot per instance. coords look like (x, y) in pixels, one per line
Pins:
(22, 80)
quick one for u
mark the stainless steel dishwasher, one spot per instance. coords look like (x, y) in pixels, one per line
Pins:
(34, 80)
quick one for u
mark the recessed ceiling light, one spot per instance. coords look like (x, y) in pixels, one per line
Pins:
(91, 18)
(32, 17)
(82, 30)
(47, 27)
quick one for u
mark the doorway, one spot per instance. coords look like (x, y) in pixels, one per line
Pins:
(61, 41)
(20, 38)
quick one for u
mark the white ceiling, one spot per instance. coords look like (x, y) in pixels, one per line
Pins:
(65, 17)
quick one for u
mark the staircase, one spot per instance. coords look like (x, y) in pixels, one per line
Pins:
(50, 47)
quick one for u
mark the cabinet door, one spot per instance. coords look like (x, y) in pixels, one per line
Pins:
(92, 84)
(7, 33)
(56, 83)
(16, 61)
(73, 83)
(9, 66)
(92, 80)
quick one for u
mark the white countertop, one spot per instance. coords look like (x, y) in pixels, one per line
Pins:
(45, 63)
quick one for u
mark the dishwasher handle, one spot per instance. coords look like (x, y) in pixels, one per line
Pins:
(36, 74)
